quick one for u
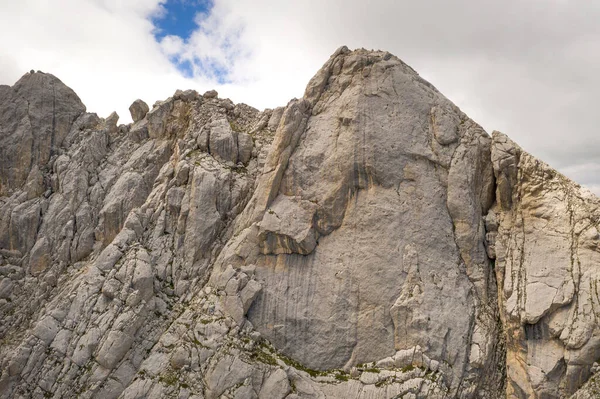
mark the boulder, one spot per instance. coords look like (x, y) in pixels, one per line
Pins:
(210, 94)
(138, 110)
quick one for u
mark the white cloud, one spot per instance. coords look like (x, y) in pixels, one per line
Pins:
(527, 68)
(172, 46)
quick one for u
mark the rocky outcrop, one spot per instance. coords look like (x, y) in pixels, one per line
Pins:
(366, 240)
(36, 115)
(546, 249)
(124, 226)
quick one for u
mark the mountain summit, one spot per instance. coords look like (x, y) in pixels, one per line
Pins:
(368, 240)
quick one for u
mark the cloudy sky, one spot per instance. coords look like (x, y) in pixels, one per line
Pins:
(528, 68)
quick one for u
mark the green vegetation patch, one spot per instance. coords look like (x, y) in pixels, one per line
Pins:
(169, 378)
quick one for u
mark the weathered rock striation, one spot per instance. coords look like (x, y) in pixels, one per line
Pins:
(368, 240)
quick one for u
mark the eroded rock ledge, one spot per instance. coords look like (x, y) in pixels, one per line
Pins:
(366, 240)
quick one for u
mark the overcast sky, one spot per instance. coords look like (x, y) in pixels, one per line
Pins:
(528, 68)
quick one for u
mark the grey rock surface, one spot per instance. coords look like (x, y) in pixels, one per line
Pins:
(368, 240)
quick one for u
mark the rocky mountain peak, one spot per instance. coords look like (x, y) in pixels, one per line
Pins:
(366, 240)
(37, 114)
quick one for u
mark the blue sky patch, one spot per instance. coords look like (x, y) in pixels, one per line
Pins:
(180, 17)
(185, 67)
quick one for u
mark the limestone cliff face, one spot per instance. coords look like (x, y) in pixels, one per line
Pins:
(366, 241)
